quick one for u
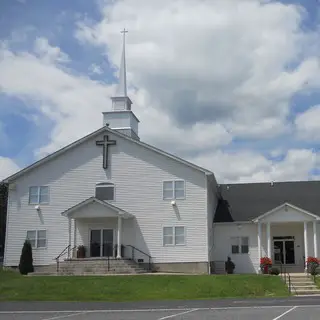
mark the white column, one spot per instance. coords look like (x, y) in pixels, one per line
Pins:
(315, 239)
(75, 235)
(269, 240)
(305, 235)
(259, 241)
(69, 227)
(119, 237)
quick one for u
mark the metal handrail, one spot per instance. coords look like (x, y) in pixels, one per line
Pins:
(133, 248)
(283, 271)
(63, 252)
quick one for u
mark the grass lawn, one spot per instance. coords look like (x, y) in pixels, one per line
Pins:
(13, 286)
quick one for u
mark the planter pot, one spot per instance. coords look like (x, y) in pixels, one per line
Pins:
(265, 269)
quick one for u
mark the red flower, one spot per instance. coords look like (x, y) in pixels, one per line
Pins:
(312, 260)
(265, 261)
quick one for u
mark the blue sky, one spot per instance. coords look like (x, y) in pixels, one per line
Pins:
(79, 41)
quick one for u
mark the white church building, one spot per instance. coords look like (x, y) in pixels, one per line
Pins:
(114, 194)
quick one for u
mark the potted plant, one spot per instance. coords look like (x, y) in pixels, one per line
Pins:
(265, 264)
(81, 252)
(312, 265)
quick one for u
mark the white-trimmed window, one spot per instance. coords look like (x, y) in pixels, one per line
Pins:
(173, 236)
(239, 245)
(37, 238)
(38, 195)
(174, 189)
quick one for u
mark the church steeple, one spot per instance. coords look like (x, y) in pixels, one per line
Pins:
(121, 118)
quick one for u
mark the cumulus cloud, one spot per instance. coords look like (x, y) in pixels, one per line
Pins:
(201, 75)
(7, 167)
(214, 61)
(250, 166)
(307, 124)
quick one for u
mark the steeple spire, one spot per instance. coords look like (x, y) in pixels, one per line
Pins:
(122, 86)
(121, 118)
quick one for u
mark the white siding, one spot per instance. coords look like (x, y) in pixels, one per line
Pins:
(245, 263)
(138, 174)
(249, 263)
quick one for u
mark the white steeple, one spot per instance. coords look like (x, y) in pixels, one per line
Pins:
(121, 117)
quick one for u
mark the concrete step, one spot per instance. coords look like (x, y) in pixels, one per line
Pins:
(306, 292)
(307, 287)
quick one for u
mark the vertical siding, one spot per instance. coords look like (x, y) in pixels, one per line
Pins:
(138, 174)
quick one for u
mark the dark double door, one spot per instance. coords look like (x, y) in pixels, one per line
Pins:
(101, 243)
(284, 251)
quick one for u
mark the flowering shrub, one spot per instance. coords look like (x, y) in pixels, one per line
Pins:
(312, 260)
(265, 261)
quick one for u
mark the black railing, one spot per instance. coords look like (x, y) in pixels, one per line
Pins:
(286, 277)
(68, 250)
(132, 256)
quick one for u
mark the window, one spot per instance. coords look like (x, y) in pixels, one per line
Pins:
(174, 189)
(105, 191)
(239, 245)
(37, 238)
(38, 195)
(173, 236)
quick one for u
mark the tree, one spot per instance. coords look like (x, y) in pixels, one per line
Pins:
(3, 215)
(26, 260)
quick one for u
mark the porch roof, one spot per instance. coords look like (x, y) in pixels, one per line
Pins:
(244, 202)
(265, 215)
(102, 209)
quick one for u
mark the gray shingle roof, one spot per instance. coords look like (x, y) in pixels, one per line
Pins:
(244, 202)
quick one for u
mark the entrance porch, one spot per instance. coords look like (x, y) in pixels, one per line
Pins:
(288, 235)
(99, 228)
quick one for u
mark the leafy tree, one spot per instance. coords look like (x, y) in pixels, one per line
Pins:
(3, 215)
(26, 260)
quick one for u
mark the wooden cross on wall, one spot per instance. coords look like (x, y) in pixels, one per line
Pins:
(105, 143)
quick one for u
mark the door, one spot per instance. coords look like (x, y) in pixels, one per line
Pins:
(284, 251)
(107, 238)
(95, 243)
(101, 243)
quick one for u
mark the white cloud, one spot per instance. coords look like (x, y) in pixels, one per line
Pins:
(250, 166)
(307, 124)
(7, 167)
(48, 53)
(201, 74)
(214, 61)
(95, 69)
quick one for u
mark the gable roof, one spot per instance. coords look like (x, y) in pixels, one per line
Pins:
(246, 202)
(283, 206)
(92, 135)
(92, 200)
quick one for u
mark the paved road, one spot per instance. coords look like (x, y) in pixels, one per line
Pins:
(175, 304)
(295, 308)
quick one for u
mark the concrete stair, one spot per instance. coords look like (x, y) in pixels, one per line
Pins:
(302, 284)
(92, 267)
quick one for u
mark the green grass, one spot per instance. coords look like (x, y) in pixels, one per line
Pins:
(13, 286)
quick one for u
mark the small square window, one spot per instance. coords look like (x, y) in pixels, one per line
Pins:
(174, 189)
(38, 195)
(37, 238)
(239, 245)
(105, 191)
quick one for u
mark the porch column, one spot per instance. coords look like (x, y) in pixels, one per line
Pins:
(315, 239)
(119, 237)
(259, 241)
(268, 240)
(305, 235)
(69, 231)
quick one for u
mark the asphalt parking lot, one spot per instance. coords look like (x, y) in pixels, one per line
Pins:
(223, 313)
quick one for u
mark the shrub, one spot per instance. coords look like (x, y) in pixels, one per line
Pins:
(275, 271)
(26, 260)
